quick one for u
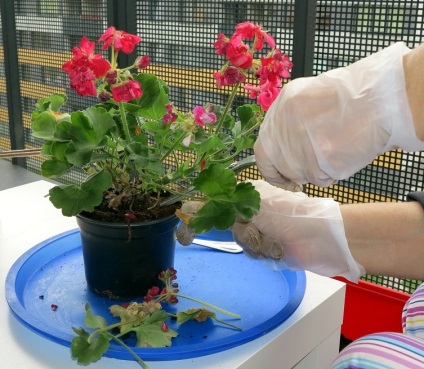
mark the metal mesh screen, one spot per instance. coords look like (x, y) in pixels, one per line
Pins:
(178, 36)
(4, 114)
(46, 32)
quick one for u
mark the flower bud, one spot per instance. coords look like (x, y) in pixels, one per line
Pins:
(111, 77)
(104, 96)
(143, 62)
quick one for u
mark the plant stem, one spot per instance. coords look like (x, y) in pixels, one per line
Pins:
(124, 121)
(171, 149)
(136, 357)
(109, 327)
(227, 107)
(228, 324)
(209, 305)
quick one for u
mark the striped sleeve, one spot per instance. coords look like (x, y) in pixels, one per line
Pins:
(413, 314)
(382, 351)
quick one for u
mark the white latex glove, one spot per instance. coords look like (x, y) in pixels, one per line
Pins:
(299, 232)
(326, 128)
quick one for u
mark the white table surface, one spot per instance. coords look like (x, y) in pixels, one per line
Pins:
(308, 339)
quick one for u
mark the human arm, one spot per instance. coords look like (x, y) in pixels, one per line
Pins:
(325, 128)
(386, 238)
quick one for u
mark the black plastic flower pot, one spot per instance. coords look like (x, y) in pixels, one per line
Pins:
(122, 261)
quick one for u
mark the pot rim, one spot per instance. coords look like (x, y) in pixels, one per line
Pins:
(120, 225)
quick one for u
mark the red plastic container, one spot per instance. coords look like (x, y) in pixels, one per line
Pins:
(371, 308)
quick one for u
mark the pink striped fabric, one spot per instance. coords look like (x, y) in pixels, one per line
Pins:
(382, 351)
(413, 314)
(390, 350)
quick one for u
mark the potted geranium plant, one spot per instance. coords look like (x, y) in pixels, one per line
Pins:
(138, 150)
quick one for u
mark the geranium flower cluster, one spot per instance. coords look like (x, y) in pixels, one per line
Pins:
(86, 69)
(270, 70)
(92, 75)
(167, 293)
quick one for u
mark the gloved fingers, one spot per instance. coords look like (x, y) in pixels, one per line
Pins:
(191, 207)
(255, 244)
(184, 234)
(268, 170)
(248, 237)
(270, 173)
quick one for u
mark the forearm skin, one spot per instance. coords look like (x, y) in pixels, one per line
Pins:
(386, 238)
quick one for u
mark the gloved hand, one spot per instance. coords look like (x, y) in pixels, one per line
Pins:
(299, 232)
(326, 128)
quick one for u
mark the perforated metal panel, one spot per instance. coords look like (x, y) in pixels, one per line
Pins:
(46, 31)
(4, 114)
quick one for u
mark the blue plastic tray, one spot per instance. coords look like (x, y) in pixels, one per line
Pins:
(52, 272)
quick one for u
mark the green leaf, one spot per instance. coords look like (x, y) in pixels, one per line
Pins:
(246, 200)
(250, 115)
(53, 168)
(85, 132)
(213, 214)
(58, 150)
(127, 318)
(44, 125)
(156, 129)
(228, 119)
(73, 199)
(227, 199)
(139, 153)
(152, 335)
(149, 165)
(198, 314)
(102, 122)
(88, 352)
(210, 144)
(148, 328)
(53, 103)
(152, 103)
(244, 142)
(216, 180)
(93, 321)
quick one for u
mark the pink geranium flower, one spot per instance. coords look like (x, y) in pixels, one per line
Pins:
(230, 77)
(269, 69)
(170, 116)
(85, 67)
(202, 118)
(238, 53)
(127, 91)
(267, 97)
(143, 62)
(250, 31)
(84, 56)
(221, 44)
(119, 40)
